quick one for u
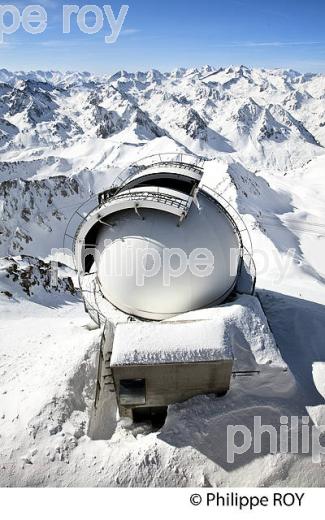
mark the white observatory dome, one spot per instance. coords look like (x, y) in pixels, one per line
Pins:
(158, 242)
(147, 267)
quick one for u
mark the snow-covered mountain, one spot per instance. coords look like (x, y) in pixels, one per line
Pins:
(261, 116)
(83, 129)
(63, 138)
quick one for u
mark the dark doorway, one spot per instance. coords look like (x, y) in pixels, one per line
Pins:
(156, 415)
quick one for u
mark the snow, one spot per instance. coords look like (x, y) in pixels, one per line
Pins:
(151, 343)
(236, 331)
(243, 325)
(319, 377)
(46, 354)
(264, 134)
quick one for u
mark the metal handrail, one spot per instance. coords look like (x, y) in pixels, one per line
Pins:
(187, 160)
(251, 266)
(178, 159)
(246, 246)
(165, 198)
(231, 211)
(79, 212)
(93, 312)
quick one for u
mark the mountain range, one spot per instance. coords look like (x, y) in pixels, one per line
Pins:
(65, 137)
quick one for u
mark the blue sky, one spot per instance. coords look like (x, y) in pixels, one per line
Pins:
(168, 34)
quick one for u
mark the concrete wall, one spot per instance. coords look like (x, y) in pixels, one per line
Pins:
(170, 383)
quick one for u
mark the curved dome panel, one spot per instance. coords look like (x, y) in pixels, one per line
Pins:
(153, 268)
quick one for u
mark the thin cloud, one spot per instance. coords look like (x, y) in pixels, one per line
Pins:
(268, 44)
(279, 44)
(127, 32)
(59, 43)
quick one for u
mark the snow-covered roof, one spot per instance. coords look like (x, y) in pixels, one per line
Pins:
(168, 342)
(236, 331)
(242, 324)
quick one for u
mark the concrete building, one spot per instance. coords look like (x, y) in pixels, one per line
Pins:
(159, 205)
(157, 364)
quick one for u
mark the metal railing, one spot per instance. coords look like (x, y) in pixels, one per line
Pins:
(76, 221)
(90, 301)
(236, 218)
(168, 159)
(250, 267)
(154, 196)
(240, 227)
(86, 208)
